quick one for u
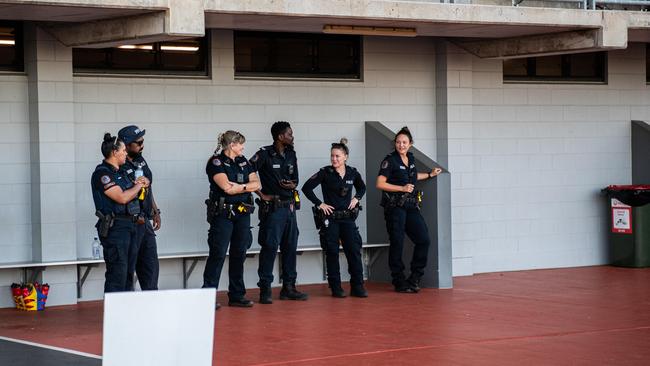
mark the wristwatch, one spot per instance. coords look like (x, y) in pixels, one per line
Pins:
(244, 188)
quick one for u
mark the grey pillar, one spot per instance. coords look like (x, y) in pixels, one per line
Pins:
(640, 152)
(52, 151)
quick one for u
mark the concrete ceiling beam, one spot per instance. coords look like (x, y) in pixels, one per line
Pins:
(183, 19)
(612, 35)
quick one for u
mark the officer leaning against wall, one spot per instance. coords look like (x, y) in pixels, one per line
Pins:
(144, 251)
(401, 201)
(232, 179)
(117, 206)
(335, 218)
(278, 170)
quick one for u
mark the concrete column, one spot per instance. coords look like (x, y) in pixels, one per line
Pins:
(453, 128)
(51, 117)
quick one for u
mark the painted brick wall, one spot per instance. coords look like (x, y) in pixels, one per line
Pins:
(530, 162)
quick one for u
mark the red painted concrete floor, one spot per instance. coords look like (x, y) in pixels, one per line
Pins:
(575, 316)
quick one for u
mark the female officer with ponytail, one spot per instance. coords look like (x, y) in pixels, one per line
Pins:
(397, 178)
(336, 218)
(232, 179)
(117, 208)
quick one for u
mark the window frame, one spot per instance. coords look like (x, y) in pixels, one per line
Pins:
(19, 62)
(153, 72)
(602, 57)
(299, 76)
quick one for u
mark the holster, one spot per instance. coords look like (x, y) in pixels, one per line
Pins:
(211, 210)
(265, 208)
(105, 223)
(319, 218)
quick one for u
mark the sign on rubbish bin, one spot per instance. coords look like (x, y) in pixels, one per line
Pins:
(621, 217)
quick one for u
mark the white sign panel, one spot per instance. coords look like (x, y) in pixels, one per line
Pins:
(159, 328)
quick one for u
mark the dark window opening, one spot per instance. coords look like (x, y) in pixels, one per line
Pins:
(579, 67)
(11, 46)
(647, 63)
(297, 55)
(182, 57)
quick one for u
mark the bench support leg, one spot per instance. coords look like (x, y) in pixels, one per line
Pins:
(81, 279)
(188, 272)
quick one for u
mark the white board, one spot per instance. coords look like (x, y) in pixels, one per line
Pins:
(171, 327)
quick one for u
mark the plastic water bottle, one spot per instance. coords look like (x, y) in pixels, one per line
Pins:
(139, 172)
(96, 249)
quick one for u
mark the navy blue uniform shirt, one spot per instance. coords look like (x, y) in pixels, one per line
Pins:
(396, 172)
(129, 168)
(337, 191)
(105, 177)
(236, 170)
(274, 167)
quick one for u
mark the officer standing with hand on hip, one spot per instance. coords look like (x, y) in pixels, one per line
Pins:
(144, 250)
(335, 218)
(277, 167)
(117, 207)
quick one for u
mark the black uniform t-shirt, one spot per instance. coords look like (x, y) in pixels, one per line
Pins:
(396, 172)
(274, 167)
(129, 168)
(337, 191)
(105, 177)
(236, 170)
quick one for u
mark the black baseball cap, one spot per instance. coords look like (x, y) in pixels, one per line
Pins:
(130, 133)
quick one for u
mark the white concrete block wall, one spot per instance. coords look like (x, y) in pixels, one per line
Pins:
(15, 199)
(184, 116)
(529, 166)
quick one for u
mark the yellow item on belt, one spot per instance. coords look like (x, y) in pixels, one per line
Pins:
(419, 197)
(141, 196)
(296, 196)
(241, 208)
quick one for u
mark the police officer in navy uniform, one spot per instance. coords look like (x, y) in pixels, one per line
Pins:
(277, 167)
(117, 206)
(397, 178)
(232, 179)
(336, 218)
(144, 250)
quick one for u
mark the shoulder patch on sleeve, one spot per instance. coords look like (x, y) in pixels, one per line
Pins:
(255, 157)
(314, 176)
(216, 162)
(105, 179)
(384, 164)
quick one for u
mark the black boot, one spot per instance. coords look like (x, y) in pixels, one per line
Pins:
(240, 303)
(414, 282)
(337, 290)
(357, 290)
(265, 295)
(289, 292)
(402, 286)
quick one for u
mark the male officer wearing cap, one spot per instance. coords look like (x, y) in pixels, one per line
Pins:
(144, 252)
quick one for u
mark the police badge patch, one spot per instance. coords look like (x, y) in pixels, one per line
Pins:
(384, 164)
(216, 162)
(105, 179)
(255, 158)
